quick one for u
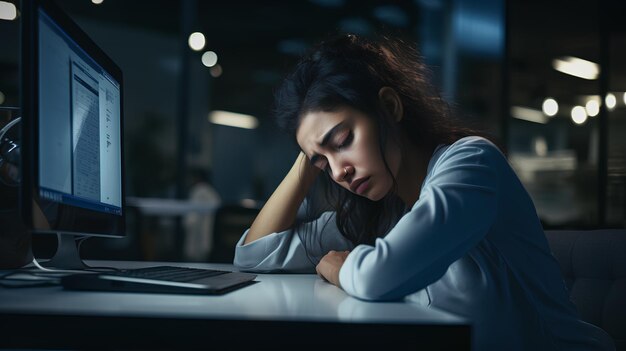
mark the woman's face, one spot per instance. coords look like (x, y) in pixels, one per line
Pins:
(345, 143)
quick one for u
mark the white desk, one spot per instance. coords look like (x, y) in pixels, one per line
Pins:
(170, 207)
(297, 309)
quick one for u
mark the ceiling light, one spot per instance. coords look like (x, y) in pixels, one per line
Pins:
(209, 59)
(550, 107)
(579, 116)
(97, 2)
(528, 114)
(197, 41)
(577, 67)
(233, 119)
(610, 101)
(8, 11)
(592, 107)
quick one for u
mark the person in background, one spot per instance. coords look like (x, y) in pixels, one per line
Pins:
(199, 224)
(422, 208)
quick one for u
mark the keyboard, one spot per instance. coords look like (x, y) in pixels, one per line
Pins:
(161, 279)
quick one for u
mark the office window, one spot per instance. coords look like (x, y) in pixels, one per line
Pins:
(616, 153)
(567, 109)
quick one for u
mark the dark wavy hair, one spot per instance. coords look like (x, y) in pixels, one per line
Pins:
(349, 70)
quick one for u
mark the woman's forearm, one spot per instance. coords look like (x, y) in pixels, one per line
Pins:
(279, 212)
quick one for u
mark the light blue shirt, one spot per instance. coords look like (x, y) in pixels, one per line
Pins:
(472, 245)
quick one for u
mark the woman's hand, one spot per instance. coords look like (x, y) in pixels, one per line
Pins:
(330, 264)
(279, 212)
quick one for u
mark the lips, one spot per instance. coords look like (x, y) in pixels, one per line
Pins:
(354, 186)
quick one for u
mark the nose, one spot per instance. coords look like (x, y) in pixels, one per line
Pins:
(342, 173)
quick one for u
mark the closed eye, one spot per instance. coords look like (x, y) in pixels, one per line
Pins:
(343, 140)
(347, 139)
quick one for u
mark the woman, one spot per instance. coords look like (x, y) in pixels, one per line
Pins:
(421, 209)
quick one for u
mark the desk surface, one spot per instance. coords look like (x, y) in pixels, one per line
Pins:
(276, 301)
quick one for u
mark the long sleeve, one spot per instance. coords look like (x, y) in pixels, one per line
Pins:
(456, 208)
(286, 252)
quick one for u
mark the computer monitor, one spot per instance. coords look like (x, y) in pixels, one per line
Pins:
(72, 127)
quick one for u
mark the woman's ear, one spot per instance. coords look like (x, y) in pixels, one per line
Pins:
(391, 102)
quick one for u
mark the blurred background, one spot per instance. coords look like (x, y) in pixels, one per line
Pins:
(203, 153)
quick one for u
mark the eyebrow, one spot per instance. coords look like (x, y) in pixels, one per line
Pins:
(326, 139)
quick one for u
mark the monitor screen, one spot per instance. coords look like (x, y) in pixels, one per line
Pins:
(79, 124)
(72, 167)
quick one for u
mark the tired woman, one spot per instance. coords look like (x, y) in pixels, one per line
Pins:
(419, 207)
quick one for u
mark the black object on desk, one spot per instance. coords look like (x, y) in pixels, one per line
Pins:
(161, 279)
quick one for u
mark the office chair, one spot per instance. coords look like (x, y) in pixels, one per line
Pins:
(231, 220)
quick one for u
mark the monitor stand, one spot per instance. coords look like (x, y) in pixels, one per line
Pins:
(67, 255)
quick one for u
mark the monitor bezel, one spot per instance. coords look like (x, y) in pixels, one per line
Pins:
(91, 223)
